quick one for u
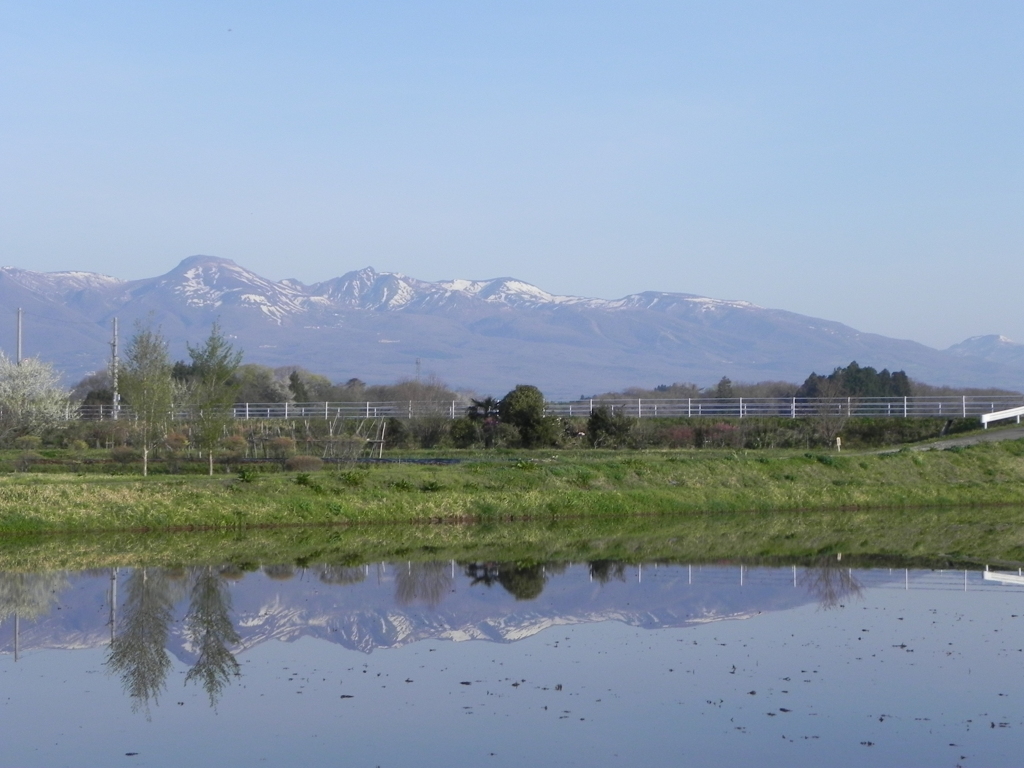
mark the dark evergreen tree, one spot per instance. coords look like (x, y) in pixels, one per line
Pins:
(855, 381)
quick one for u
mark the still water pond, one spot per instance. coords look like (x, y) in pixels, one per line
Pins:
(397, 664)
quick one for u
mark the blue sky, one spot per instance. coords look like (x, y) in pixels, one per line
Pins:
(858, 161)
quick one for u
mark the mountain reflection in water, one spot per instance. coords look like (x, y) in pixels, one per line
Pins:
(206, 616)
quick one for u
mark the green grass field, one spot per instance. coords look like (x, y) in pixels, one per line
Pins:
(961, 503)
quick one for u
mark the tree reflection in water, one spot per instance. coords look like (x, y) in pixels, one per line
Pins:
(428, 582)
(30, 595)
(209, 629)
(279, 572)
(341, 574)
(603, 571)
(481, 573)
(830, 583)
(524, 581)
(138, 651)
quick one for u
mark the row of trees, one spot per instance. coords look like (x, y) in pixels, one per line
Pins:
(213, 377)
(518, 419)
(152, 386)
(851, 380)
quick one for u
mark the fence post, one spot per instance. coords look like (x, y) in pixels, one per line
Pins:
(904, 406)
(639, 407)
(741, 407)
(688, 414)
(591, 405)
(965, 405)
(367, 409)
(792, 409)
(453, 410)
(286, 409)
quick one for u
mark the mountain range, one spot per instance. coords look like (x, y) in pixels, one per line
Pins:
(483, 335)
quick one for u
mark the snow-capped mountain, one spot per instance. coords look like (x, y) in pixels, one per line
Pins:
(487, 335)
(994, 348)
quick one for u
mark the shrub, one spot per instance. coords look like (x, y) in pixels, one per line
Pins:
(235, 445)
(248, 474)
(429, 431)
(644, 433)
(78, 445)
(304, 464)
(27, 459)
(607, 429)
(679, 436)
(720, 435)
(281, 447)
(124, 454)
(304, 479)
(396, 434)
(28, 442)
(352, 478)
(464, 432)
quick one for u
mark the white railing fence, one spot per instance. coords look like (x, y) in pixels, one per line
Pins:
(957, 406)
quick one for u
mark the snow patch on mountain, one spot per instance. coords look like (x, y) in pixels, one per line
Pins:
(58, 284)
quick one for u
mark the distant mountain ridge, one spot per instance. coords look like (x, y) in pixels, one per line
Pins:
(487, 335)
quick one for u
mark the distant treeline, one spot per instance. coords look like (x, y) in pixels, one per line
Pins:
(32, 412)
(848, 381)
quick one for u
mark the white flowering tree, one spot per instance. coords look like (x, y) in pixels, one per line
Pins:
(31, 397)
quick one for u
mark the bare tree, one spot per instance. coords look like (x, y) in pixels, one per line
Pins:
(831, 412)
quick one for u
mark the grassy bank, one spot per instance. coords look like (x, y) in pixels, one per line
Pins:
(539, 487)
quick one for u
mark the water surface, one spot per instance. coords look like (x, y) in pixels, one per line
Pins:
(434, 663)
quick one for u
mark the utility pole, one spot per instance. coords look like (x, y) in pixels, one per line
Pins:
(19, 334)
(116, 399)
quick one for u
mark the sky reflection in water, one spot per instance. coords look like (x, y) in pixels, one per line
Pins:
(596, 663)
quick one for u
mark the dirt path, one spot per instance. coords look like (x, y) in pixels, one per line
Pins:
(992, 435)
